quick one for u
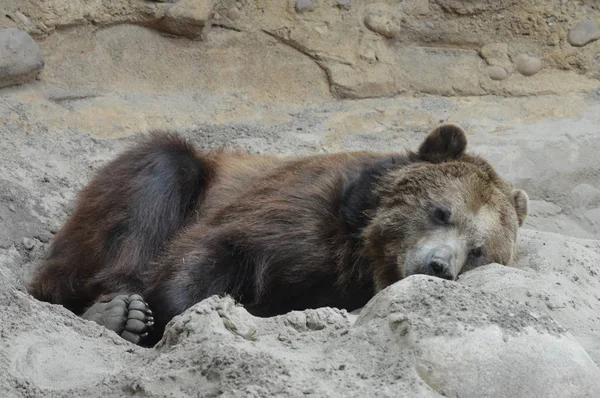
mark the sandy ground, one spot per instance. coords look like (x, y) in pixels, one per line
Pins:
(532, 330)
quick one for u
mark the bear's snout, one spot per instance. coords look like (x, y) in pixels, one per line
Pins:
(440, 268)
(439, 263)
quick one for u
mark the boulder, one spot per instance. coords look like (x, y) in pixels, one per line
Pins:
(21, 59)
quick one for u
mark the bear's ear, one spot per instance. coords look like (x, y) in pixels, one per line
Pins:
(521, 205)
(447, 142)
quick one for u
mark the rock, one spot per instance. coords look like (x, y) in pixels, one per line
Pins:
(584, 194)
(527, 66)
(383, 23)
(553, 39)
(583, 33)
(546, 259)
(228, 59)
(593, 216)
(421, 7)
(497, 72)
(28, 243)
(304, 5)
(368, 53)
(496, 54)
(20, 57)
(22, 18)
(331, 31)
(472, 7)
(344, 4)
(395, 72)
(455, 331)
(187, 18)
(234, 13)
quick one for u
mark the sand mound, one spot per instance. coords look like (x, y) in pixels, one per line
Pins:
(498, 331)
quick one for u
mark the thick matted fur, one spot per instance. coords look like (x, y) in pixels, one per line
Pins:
(278, 234)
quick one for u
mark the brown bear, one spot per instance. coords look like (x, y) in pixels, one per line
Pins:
(164, 226)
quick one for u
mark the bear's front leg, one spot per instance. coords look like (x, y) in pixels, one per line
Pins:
(127, 315)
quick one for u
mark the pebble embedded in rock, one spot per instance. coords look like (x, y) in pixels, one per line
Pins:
(496, 54)
(20, 57)
(554, 39)
(344, 3)
(187, 18)
(21, 17)
(233, 13)
(583, 33)
(383, 23)
(304, 5)
(528, 66)
(28, 243)
(497, 72)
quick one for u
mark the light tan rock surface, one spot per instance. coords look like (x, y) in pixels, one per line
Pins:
(365, 49)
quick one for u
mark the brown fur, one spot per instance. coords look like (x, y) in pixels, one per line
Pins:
(276, 234)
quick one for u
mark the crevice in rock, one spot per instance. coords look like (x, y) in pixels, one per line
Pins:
(224, 26)
(304, 51)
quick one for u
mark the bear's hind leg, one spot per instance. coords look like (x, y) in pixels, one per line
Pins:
(127, 315)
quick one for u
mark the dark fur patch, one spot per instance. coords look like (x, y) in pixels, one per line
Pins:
(122, 221)
(444, 143)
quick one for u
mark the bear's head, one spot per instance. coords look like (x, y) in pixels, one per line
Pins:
(442, 212)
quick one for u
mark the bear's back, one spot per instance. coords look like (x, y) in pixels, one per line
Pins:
(256, 181)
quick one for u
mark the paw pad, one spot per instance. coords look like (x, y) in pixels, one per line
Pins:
(139, 319)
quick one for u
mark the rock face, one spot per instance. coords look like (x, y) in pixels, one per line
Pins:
(365, 49)
(20, 57)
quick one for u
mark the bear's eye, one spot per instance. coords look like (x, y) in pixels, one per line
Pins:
(442, 215)
(476, 253)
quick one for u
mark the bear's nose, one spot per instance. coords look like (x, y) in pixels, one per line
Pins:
(440, 268)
